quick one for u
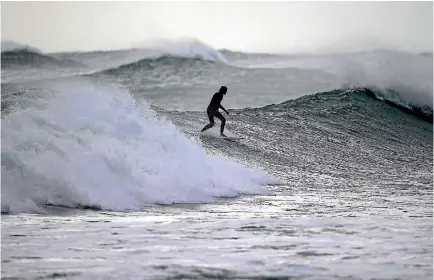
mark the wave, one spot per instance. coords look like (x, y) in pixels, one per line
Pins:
(408, 74)
(339, 96)
(190, 64)
(81, 145)
(249, 55)
(153, 63)
(8, 45)
(152, 50)
(184, 52)
(183, 47)
(393, 98)
(385, 72)
(25, 57)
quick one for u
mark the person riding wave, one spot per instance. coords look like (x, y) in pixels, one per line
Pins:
(213, 110)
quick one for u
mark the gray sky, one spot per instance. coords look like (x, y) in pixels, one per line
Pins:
(245, 26)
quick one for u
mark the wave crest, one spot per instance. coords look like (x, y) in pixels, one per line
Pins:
(339, 100)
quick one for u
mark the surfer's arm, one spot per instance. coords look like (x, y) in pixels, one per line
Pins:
(224, 109)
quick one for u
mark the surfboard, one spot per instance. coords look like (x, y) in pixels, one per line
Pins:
(207, 135)
(227, 138)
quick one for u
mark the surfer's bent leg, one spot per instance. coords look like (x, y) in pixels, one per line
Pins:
(220, 117)
(211, 120)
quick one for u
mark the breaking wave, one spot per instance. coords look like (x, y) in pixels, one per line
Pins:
(82, 145)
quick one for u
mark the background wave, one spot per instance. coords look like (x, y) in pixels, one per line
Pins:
(25, 58)
(9, 45)
(181, 74)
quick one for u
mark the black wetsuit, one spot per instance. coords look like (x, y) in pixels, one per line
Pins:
(213, 107)
(213, 111)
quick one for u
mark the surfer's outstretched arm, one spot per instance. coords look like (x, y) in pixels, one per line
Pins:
(221, 107)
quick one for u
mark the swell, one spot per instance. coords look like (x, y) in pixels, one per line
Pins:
(24, 57)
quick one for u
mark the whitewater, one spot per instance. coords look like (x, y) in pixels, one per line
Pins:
(105, 176)
(118, 145)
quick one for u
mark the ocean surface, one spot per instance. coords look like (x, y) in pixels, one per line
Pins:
(104, 175)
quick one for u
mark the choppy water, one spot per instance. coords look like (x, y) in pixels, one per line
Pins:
(103, 176)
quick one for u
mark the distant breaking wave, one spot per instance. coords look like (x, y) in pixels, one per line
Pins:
(162, 61)
(24, 57)
(183, 47)
(8, 45)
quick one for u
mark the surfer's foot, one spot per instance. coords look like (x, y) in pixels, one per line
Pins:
(222, 135)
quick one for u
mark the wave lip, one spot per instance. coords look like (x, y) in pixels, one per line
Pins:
(119, 155)
(393, 98)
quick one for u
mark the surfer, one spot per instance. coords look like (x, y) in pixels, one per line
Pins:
(213, 110)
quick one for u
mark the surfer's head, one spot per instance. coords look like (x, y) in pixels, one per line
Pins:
(223, 89)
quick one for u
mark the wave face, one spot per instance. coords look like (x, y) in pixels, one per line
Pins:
(342, 137)
(81, 145)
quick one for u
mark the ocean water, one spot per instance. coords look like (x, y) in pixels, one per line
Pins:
(104, 175)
